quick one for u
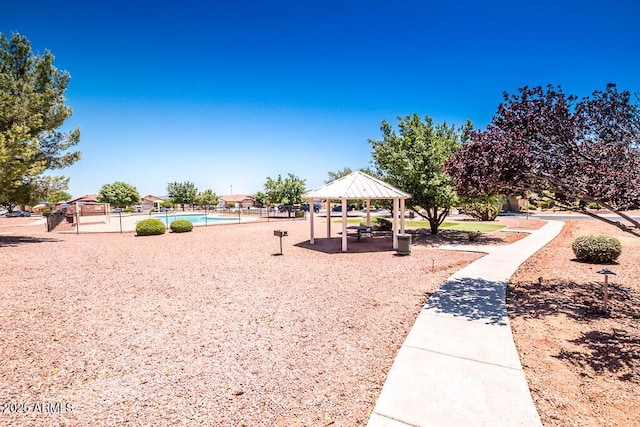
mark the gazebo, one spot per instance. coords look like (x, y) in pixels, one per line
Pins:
(357, 186)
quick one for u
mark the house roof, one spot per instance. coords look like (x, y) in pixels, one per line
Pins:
(357, 185)
(237, 198)
(90, 198)
(151, 198)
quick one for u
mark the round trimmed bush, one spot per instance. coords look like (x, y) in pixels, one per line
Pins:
(596, 249)
(181, 226)
(150, 227)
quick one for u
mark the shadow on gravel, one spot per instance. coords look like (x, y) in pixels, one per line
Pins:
(590, 263)
(452, 237)
(13, 241)
(614, 347)
(613, 352)
(579, 301)
(334, 245)
(381, 241)
(473, 299)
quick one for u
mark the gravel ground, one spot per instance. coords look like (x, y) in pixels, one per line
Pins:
(204, 328)
(582, 365)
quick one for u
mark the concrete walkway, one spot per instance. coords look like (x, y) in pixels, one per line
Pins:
(459, 365)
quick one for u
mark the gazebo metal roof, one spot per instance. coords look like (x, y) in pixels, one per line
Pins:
(357, 185)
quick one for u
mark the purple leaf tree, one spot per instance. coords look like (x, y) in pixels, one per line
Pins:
(575, 151)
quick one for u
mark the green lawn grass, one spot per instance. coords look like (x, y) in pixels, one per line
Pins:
(472, 226)
(447, 225)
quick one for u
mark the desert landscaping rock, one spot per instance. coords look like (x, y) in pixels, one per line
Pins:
(210, 328)
(583, 368)
(204, 328)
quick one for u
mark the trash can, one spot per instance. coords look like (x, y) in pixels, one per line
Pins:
(404, 244)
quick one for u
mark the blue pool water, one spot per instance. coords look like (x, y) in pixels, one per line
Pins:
(195, 219)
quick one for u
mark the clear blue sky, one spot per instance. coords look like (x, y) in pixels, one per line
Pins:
(226, 93)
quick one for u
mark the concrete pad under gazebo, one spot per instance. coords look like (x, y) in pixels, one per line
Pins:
(358, 186)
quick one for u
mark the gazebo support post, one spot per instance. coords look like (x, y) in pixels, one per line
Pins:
(395, 222)
(368, 212)
(402, 209)
(311, 212)
(328, 208)
(344, 224)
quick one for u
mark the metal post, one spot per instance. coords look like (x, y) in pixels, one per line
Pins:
(281, 234)
(120, 222)
(606, 291)
(606, 272)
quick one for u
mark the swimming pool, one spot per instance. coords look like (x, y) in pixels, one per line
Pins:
(195, 219)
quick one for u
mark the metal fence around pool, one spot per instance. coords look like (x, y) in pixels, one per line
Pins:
(120, 222)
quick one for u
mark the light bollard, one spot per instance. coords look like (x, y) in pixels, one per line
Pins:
(605, 289)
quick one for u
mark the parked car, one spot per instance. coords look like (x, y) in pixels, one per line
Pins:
(17, 213)
(117, 210)
(305, 207)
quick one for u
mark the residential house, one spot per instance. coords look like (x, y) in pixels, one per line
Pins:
(88, 204)
(243, 201)
(513, 204)
(150, 201)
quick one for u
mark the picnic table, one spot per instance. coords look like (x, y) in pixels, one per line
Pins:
(358, 231)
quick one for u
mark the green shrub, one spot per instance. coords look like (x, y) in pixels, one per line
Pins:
(544, 205)
(128, 209)
(383, 224)
(596, 249)
(595, 206)
(482, 211)
(150, 227)
(46, 212)
(181, 226)
(481, 207)
(299, 214)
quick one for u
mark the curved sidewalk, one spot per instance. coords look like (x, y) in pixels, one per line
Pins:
(459, 365)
